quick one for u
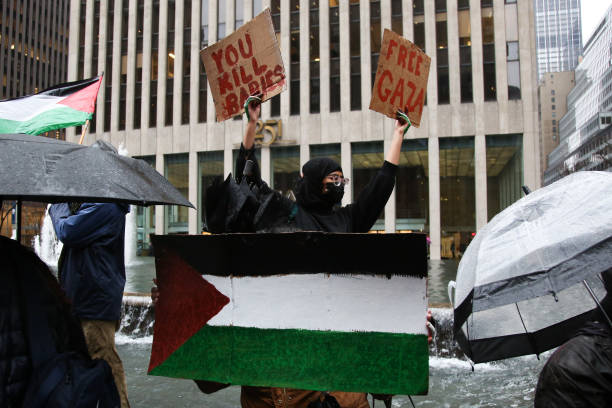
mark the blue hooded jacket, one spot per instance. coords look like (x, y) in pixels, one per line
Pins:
(93, 267)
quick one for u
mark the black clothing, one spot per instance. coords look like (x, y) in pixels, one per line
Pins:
(308, 189)
(15, 365)
(356, 217)
(579, 373)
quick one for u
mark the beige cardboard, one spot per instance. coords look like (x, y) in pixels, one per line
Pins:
(401, 78)
(244, 63)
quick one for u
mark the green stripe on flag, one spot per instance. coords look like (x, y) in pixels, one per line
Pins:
(386, 363)
(57, 118)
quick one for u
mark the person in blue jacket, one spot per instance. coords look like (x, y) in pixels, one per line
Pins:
(91, 270)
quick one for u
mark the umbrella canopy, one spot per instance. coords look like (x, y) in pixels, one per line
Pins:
(519, 286)
(35, 168)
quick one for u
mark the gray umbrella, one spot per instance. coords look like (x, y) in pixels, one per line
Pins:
(523, 283)
(35, 168)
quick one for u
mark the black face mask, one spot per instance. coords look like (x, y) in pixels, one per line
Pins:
(334, 193)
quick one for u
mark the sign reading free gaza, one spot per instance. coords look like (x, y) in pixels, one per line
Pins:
(401, 78)
(247, 62)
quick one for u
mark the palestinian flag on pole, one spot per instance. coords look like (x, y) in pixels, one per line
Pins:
(309, 310)
(64, 105)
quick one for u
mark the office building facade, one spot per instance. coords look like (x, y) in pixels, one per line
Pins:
(558, 35)
(552, 95)
(478, 140)
(584, 131)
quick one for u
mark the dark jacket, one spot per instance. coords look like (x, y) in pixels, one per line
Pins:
(15, 364)
(359, 216)
(92, 267)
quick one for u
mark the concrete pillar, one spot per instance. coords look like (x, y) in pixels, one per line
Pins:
(346, 162)
(480, 180)
(89, 16)
(454, 78)
(177, 91)
(192, 217)
(160, 227)
(407, 20)
(73, 54)
(345, 62)
(265, 108)
(100, 108)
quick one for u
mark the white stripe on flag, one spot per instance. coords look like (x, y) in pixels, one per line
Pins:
(27, 108)
(344, 303)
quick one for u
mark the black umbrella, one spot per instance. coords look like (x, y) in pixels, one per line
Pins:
(35, 168)
(530, 277)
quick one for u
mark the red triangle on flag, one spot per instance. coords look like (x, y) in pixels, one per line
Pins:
(186, 303)
(85, 99)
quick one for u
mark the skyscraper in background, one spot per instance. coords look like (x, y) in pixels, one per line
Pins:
(558, 35)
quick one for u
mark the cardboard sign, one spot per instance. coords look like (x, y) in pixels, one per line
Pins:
(401, 78)
(305, 316)
(246, 62)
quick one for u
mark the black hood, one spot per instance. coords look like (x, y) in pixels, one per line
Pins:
(309, 188)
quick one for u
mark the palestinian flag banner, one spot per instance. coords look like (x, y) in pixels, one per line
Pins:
(64, 105)
(306, 310)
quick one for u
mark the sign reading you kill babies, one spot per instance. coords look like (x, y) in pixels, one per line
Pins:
(401, 78)
(247, 62)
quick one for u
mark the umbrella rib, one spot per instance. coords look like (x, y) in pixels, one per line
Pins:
(529, 336)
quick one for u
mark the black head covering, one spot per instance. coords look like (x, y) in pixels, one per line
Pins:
(309, 188)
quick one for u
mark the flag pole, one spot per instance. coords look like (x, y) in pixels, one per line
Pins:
(83, 132)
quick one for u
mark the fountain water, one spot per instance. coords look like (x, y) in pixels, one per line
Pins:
(46, 245)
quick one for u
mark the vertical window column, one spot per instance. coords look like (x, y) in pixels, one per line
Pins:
(488, 50)
(170, 57)
(108, 70)
(154, 65)
(375, 36)
(203, 80)
(139, 60)
(334, 56)
(186, 62)
(294, 27)
(315, 60)
(465, 50)
(355, 47)
(442, 52)
(276, 20)
(512, 52)
(125, 12)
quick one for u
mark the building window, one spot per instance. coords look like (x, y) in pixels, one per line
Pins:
(154, 67)
(367, 157)
(504, 171)
(488, 51)
(315, 64)
(331, 151)
(552, 100)
(203, 86)
(170, 66)
(465, 50)
(185, 102)
(139, 56)
(514, 70)
(553, 107)
(418, 20)
(239, 13)
(552, 91)
(145, 220)
(176, 170)
(123, 73)
(355, 47)
(396, 16)
(294, 93)
(375, 36)
(285, 168)
(275, 13)
(210, 166)
(412, 199)
(457, 194)
(334, 57)
(442, 52)
(94, 61)
(108, 71)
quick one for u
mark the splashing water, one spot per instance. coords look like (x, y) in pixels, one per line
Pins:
(46, 245)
